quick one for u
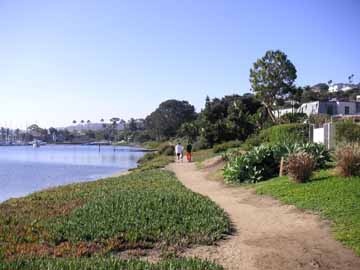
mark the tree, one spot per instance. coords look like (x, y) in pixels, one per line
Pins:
(114, 121)
(229, 118)
(131, 125)
(74, 122)
(189, 130)
(165, 121)
(350, 78)
(272, 78)
(103, 124)
(3, 134)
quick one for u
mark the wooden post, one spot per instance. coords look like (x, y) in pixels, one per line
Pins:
(281, 172)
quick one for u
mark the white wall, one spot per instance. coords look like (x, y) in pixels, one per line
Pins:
(319, 136)
(309, 108)
(281, 112)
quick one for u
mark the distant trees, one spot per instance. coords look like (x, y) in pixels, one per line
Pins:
(272, 78)
(165, 121)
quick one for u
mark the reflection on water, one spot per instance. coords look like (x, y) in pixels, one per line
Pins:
(24, 169)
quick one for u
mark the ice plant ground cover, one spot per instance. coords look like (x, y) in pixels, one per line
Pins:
(141, 210)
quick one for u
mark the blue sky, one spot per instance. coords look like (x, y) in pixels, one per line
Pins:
(68, 59)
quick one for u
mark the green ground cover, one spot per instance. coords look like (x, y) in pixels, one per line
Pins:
(141, 210)
(202, 155)
(333, 197)
(108, 264)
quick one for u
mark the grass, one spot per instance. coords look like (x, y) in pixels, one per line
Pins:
(202, 155)
(333, 197)
(144, 209)
(152, 161)
(107, 264)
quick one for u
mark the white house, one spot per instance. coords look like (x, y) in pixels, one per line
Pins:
(332, 107)
(342, 87)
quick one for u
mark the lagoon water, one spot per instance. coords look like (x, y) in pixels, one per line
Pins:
(24, 169)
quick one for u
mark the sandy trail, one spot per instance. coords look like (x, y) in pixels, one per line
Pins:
(268, 234)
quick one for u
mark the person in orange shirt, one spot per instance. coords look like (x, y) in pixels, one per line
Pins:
(188, 152)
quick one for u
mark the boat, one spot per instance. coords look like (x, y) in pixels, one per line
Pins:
(37, 143)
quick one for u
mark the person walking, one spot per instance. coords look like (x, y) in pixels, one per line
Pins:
(179, 151)
(188, 152)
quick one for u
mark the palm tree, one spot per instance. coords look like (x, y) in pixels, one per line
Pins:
(114, 121)
(102, 121)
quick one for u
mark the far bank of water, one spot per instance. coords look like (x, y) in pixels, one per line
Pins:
(24, 169)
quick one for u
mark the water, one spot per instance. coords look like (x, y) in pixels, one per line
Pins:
(24, 169)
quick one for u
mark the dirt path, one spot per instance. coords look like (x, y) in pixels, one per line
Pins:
(269, 235)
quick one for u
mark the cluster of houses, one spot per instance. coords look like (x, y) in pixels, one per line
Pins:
(335, 108)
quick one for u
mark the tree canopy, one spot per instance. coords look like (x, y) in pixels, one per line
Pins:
(229, 118)
(165, 121)
(272, 78)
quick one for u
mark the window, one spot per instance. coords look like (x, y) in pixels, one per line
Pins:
(329, 110)
(347, 110)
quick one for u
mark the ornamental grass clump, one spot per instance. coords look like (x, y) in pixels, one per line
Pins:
(300, 166)
(348, 160)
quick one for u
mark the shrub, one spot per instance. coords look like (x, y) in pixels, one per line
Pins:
(300, 166)
(293, 117)
(200, 145)
(166, 149)
(232, 153)
(319, 119)
(263, 162)
(251, 142)
(256, 165)
(285, 133)
(347, 131)
(225, 146)
(147, 157)
(348, 160)
(318, 151)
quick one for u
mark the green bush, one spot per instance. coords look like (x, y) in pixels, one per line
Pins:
(293, 118)
(319, 152)
(200, 144)
(262, 162)
(256, 165)
(285, 133)
(147, 157)
(166, 149)
(218, 148)
(347, 131)
(252, 141)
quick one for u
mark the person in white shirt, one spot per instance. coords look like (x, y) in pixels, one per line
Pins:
(178, 151)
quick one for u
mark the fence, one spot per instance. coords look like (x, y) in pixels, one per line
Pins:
(324, 135)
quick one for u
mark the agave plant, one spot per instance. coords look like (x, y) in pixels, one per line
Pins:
(262, 162)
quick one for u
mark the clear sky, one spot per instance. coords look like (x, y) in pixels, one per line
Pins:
(73, 59)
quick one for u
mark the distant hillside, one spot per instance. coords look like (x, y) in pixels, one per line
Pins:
(91, 126)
